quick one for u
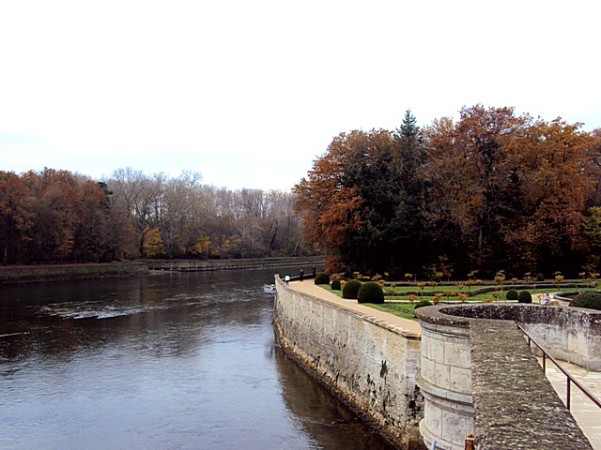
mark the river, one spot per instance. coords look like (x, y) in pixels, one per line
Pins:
(166, 361)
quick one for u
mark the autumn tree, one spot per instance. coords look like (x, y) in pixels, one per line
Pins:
(329, 207)
(470, 182)
(92, 241)
(552, 166)
(512, 191)
(15, 217)
(58, 214)
(357, 201)
(181, 218)
(138, 196)
(492, 190)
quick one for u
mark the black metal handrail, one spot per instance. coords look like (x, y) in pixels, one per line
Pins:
(569, 378)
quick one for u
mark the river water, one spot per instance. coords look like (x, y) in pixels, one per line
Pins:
(167, 361)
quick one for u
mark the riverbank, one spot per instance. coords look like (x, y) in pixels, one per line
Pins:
(307, 263)
(29, 274)
(35, 273)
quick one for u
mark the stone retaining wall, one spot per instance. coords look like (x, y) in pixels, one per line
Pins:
(466, 350)
(367, 363)
(202, 265)
(26, 274)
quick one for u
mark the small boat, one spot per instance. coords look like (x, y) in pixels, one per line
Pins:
(269, 288)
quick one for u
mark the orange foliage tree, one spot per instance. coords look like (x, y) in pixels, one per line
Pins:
(491, 191)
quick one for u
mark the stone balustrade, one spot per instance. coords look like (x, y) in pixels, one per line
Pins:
(478, 375)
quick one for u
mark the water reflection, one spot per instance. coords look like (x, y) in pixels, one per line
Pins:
(168, 361)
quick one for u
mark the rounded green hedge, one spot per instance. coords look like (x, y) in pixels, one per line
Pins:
(591, 300)
(322, 278)
(350, 289)
(524, 297)
(512, 294)
(370, 292)
(335, 284)
(421, 304)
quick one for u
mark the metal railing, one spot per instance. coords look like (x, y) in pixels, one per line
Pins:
(569, 378)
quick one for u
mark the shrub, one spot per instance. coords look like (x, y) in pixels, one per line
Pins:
(524, 297)
(370, 292)
(422, 303)
(512, 294)
(591, 300)
(540, 277)
(322, 278)
(335, 284)
(351, 289)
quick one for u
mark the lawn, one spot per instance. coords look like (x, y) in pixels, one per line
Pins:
(400, 300)
(404, 310)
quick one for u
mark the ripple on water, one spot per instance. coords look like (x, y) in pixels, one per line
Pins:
(88, 310)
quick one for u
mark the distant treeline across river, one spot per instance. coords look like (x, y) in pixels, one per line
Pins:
(23, 274)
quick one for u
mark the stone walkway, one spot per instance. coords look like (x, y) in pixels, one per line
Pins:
(310, 288)
(586, 413)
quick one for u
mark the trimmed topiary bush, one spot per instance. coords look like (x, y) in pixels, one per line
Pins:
(370, 292)
(350, 289)
(335, 284)
(512, 294)
(421, 304)
(524, 297)
(322, 278)
(591, 300)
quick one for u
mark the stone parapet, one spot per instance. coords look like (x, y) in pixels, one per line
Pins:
(516, 406)
(512, 403)
(568, 334)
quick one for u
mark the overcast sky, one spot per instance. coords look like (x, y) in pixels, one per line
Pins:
(249, 93)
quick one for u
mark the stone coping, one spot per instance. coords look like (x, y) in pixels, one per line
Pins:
(405, 327)
(516, 406)
(458, 315)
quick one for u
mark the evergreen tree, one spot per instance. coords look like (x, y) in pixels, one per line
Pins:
(409, 241)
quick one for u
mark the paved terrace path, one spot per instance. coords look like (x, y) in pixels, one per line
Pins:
(587, 415)
(310, 288)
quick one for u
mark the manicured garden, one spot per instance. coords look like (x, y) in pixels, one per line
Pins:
(403, 297)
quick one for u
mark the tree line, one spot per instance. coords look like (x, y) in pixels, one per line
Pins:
(491, 191)
(55, 216)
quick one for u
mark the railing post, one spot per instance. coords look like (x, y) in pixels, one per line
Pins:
(544, 362)
(469, 442)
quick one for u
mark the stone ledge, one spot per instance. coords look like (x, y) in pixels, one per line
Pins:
(516, 406)
(363, 316)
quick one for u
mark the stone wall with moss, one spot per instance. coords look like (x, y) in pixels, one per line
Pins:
(369, 364)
